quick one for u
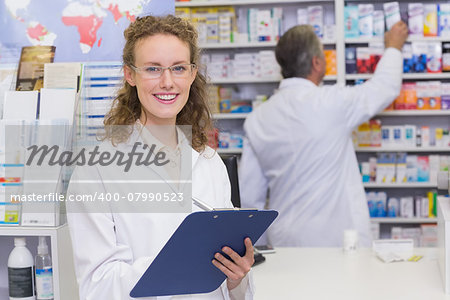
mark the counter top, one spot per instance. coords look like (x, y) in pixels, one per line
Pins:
(328, 273)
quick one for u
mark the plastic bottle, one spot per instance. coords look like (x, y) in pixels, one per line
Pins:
(44, 272)
(20, 272)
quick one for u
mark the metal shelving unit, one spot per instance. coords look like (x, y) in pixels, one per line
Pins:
(410, 39)
(406, 185)
(242, 2)
(271, 44)
(229, 150)
(257, 80)
(430, 76)
(230, 116)
(414, 112)
(402, 149)
(404, 220)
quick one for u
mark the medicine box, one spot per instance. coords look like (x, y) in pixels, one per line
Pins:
(363, 60)
(434, 57)
(302, 16)
(444, 19)
(378, 23)
(430, 24)
(423, 169)
(365, 20)
(350, 60)
(351, 21)
(415, 19)
(391, 13)
(419, 56)
(315, 19)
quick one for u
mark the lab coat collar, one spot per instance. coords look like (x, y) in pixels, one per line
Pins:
(182, 140)
(295, 82)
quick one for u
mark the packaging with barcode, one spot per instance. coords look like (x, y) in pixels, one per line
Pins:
(365, 20)
(430, 24)
(408, 62)
(376, 50)
(302, 16)
(315, 19)
(434, 57)
(445, 95)
(415, 19)
(378, 23)
(444, 19)
(411, 168)
(407, 207)
(350, 60)
(393, 208)
(419, 51)
(351, 21)
(434, 94)
(363, 60)
(381, 200)
(409, 136)
(391, 13)
(446, 57)
(422, 95)
(400, 169)
(372, 203)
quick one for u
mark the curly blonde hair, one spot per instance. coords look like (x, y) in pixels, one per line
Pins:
(126, 108)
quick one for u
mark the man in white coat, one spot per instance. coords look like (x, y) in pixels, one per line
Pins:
(298, 144)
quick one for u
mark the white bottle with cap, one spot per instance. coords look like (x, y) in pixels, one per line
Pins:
(20, 272)
(44, 272)
(350, 241)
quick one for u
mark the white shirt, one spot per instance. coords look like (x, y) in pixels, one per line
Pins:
(112, 250)
(298, 146)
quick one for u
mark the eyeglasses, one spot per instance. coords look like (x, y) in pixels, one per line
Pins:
(153, 72)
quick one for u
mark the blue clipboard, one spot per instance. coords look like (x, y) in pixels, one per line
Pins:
(184, 266)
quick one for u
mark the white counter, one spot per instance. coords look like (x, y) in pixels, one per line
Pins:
(327, 273)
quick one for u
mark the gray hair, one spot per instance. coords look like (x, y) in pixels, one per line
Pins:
(296, 49)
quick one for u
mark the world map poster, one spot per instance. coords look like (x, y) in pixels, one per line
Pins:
(82, 31)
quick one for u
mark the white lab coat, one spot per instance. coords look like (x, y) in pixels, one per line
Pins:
(113, 249)
(298, 146)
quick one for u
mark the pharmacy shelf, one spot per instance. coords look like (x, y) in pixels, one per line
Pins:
(403, 220)
(229, 151)
(29, 231)
(414, 112)
(399, 185)
(250, 45)
(402, 149)
(410, 39)
(230, 116)
(241, 2)
(404, 76)
(244, 80)
(257, 80)
(238, 45)
(64, 280)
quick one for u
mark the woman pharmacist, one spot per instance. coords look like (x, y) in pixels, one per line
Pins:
(162, 88)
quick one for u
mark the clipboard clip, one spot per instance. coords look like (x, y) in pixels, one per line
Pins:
(204, 206)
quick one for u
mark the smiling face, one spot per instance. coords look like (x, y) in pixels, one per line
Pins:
(164, 97)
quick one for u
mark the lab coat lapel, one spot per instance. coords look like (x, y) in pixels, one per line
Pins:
(187, 167)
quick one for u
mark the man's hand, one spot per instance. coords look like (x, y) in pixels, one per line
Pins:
(238, 267)
(397, 36)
